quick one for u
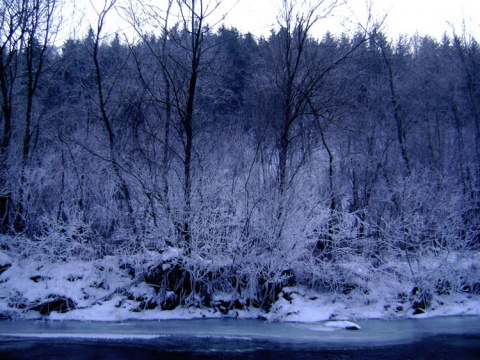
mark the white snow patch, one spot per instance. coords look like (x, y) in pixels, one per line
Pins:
(171, 253)
(342, 325)
(4, 259)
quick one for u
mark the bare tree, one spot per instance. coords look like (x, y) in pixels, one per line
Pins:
(468, 52)
(26, 31)
(192, 49)
(38, 33)
(399, 121)
(300, 71)
(296, 78)
(105, 118)
(159, 90)
(13, 19)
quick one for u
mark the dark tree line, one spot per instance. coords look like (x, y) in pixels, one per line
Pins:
(286, 152)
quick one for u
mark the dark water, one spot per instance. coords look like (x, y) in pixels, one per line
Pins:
(445, 338)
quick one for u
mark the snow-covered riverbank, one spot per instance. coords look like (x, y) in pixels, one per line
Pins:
(112, 289)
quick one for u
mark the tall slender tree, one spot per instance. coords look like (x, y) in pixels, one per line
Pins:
(113, 157)
(13, 30)
(38, 33)
(192, 50)
(27, 28)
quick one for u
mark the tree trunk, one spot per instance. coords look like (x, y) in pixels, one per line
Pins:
(123, 187)
(396, 114)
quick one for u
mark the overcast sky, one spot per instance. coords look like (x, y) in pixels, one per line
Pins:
(404, 17)
(432, 17)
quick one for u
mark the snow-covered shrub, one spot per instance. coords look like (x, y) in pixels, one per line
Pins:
(427, 233)
(67, 240)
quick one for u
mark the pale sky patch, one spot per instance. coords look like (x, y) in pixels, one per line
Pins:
(403, 17)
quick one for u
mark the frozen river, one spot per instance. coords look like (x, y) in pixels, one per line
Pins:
(436, 338)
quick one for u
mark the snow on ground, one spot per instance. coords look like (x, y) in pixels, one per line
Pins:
(4, 259)
(104, 290)
(308, 306)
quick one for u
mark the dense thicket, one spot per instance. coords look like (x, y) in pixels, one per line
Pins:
(265, 161)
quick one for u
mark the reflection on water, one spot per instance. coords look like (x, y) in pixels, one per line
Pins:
(445, 338)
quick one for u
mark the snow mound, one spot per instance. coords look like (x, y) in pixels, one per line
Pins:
(347, 325)
(4, 259)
